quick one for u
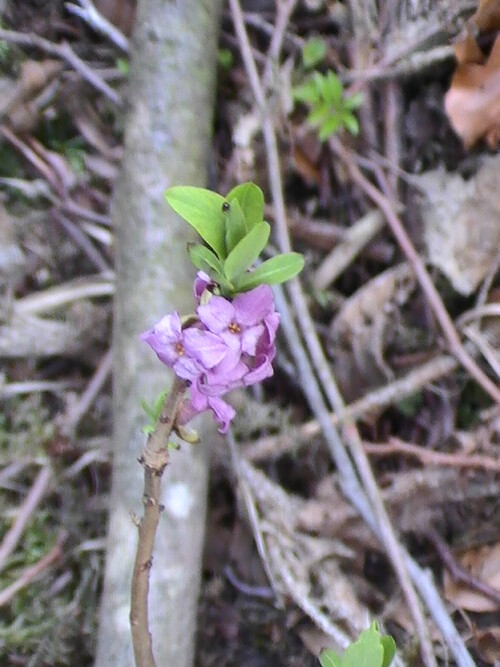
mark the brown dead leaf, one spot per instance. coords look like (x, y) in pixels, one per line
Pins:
(460, 217)
(359, 333)
(483, 564)
(468, 51)
(488, 644)
(487, 16)
(473, 101)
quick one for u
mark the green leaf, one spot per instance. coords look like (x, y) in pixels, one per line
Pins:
(235, 225)
(273, 271)
(313, 52)
(367, 651)
(350, 122)
(308, 92)
(251, 200)
(329, 127)
(225, 58)
(328, 658)
(247, 250)
(202, 209)
(202, 257)
(333, 88)
(389, 646)
(320, 114)
(205, 260)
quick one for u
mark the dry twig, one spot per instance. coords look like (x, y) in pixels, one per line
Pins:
(87, 11)
(37, 492)
(430, 457)
(31, 573)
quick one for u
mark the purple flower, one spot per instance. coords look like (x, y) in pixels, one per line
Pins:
(201, 283)
(240, 323)
(222, 411)
(232, 345)
(189, 352)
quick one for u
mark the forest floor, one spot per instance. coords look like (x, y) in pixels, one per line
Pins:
(398, 222)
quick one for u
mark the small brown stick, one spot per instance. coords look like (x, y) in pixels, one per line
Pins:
(284, 10)
(31, 573)
(81, 240)
(65, 52)
(77, 411)
(24, 514)
(392, 130)
(263, 592)
(30, 155)
(154, 459)
(421, 273)
(431, 457)
(457, 572)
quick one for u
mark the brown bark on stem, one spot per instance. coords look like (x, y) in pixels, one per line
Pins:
(154, 460)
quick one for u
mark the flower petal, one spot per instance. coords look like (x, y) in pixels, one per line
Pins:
(217, 314)
(223, 412)
(251, 307)
(164, 337)
(204, 346)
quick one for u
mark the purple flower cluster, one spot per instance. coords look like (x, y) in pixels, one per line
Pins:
(231, 345)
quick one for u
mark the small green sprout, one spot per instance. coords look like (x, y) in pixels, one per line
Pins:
(225, 58)
(313, 52)
(123, 66)
(371, 649)
(330, 109)
(153, 411)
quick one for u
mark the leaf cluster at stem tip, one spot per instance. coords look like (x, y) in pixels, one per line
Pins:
(371, 649)
(330, 108)
(235, 233)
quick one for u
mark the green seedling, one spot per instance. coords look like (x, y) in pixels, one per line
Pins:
(330, 108)
(371, 649)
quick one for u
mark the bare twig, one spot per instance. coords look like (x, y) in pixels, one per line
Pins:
(24, 514)
(356, 238)
(11, 389)
(458, 573)
(154, 460)
(253, 516)
(31, 573)
(284, 10)
(81, 240)
(263, 592)
(77, 411)
(87, 11)
(431, 457)
(55, 298)
(65, 52)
